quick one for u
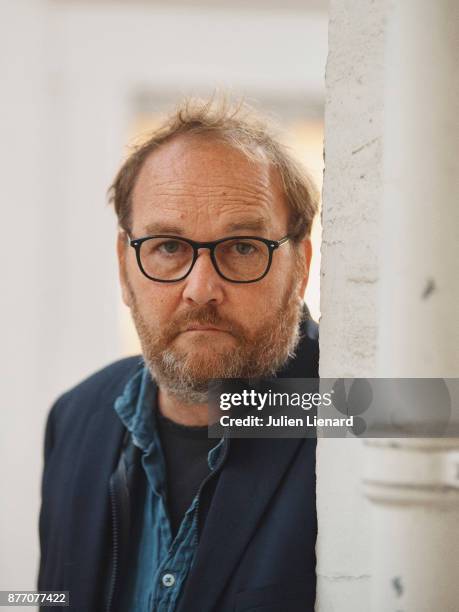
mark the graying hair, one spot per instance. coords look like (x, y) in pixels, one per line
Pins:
(240, 127)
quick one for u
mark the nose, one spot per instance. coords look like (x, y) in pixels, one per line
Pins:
(203, 285)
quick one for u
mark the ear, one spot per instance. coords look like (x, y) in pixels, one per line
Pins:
(305, 248)
(121, 249)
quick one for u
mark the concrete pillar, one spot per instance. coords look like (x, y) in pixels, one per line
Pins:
(349, 286)
(419, 242)
(413, 484)
(389, 296)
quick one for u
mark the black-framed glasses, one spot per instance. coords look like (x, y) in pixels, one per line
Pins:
(237, 259)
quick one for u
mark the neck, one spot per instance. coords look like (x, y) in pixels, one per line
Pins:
(191, 415)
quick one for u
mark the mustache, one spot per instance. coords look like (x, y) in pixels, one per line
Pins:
(203, 315)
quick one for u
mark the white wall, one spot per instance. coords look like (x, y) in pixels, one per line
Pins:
(23, 148)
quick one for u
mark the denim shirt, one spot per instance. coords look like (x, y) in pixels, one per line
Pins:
(160, 565)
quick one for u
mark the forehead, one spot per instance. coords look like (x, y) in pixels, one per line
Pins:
(200, 183)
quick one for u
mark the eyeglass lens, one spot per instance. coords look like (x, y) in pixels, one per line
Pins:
(237, 259)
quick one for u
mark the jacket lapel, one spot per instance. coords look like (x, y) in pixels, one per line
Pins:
(252, 472)
(89, 523)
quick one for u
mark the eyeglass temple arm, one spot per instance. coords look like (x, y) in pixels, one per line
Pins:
(283, 241)
(128, 238)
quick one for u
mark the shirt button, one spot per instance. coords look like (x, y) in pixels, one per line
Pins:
(168, 580)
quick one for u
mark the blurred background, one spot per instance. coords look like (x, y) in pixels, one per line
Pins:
(80, 82)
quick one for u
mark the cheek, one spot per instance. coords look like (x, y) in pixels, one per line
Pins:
(160, 302)
(154, 300)
(279, 279)
(255, 303)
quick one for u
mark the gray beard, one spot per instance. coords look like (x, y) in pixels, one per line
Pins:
(267, 355)
(187, 376)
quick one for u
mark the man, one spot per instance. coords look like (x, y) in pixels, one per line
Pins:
(141, 511)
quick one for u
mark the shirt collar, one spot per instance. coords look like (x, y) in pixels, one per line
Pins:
(136, 407)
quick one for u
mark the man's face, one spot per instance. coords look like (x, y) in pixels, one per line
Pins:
(204, 326)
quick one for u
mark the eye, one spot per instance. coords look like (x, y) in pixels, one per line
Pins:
(244, 248)
(170, 247)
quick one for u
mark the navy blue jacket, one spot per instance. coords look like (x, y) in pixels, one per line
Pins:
(257, 521)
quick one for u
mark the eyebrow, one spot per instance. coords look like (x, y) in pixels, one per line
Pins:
(247, 224)
(163, 228)
(254, 224)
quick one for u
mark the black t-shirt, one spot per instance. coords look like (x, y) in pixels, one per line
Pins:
(185, 452)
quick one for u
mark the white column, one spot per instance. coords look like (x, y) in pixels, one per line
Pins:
(420, 221)
(414, 484)
(349, 287)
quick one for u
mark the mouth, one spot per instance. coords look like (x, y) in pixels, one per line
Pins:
(204, 328)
